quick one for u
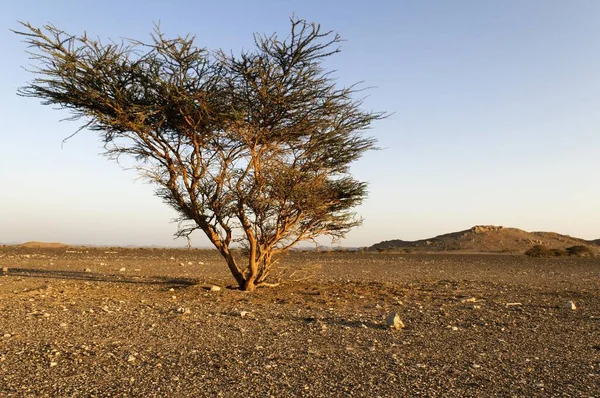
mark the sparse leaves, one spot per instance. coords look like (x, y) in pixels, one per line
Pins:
(252, 149)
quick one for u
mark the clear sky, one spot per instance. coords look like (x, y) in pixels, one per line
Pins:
(496, 116)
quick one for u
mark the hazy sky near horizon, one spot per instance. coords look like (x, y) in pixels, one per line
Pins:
(495, 116)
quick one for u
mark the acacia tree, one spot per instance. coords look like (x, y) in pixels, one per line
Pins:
(252, 149)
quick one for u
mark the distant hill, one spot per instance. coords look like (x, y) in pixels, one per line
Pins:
(488, 239)
(44, 245)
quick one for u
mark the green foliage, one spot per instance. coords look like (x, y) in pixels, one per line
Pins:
(539, 251)
(254, 149)
(580, 251)
(543, 251)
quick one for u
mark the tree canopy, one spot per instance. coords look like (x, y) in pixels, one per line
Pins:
(252, 149)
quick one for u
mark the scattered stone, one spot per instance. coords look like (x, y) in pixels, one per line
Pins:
(5, 270)
(476, 307)
(137, 270)
(87, 270)
(184, 311)
(570, 305)
(190, 263)
(513, 304)
(393, 321)
(469, 300)
(200, 262)
(171, 290)
(131, 358)
(215, 289)
(123, 269)
(244, 314)
(454, 328)
(53, 364)
(181, 264)
(475, 366)
(63, 325)
(7, 335)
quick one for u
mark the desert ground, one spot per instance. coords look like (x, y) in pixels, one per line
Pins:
(145, 322)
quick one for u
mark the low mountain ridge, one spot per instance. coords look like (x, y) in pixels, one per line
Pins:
(488, 239)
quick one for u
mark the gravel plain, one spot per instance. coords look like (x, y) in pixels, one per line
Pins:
(84, 322)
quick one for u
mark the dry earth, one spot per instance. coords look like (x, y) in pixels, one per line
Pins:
(143, 323)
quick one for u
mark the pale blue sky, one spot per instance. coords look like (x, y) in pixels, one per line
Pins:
(496, 116)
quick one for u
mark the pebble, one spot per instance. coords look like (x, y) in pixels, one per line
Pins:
(570, 305)
(53, 364)
(5, 270)
(393, 321)
(244, 313)
(87, 270)
(7, 335)
(184, 311)
(215, 289)
(123, 269)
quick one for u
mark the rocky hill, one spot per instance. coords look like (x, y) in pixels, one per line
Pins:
(488, 239)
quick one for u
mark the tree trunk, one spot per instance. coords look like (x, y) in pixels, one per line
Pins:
(248, 285)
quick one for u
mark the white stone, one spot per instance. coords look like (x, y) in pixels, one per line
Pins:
(87, 270)
(123, 269)
(244, 313)
(5, 269)
(215, 289)
(393, 321)
(570, 305)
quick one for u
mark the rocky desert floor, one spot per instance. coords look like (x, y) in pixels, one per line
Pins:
(144, 323)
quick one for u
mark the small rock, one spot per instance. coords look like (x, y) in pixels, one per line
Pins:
(454, 328)
(7, 335)
(393, 321)
(200, 262)
(215, 289)
(137, 270)
(181, 264)
(87, 270)
(469, 300)
(475, 366)
(244, 314)
(171, 290)
(190, 263)
(5, 270)
(53, 364)
(513, 304)
(123, 269)
(184, 311)
(63, 325)
(131, 358)
(570, 305)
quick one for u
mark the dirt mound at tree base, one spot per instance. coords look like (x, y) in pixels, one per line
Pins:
(488, 239)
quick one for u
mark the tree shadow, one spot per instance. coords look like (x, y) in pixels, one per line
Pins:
(110, 278)
(353, 324)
